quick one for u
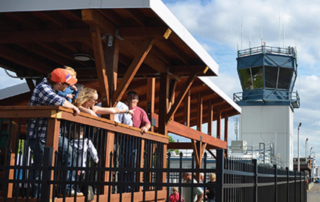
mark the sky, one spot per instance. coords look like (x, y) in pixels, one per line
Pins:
(216, 24)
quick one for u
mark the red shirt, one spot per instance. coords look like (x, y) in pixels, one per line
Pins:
(139, 118)
(174, 198)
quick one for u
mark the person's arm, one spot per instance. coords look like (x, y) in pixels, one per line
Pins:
(93, 151)
(110, 110)
(145, 128)
(145, 123)
(200, 196)
(68, 105)
(88, 111)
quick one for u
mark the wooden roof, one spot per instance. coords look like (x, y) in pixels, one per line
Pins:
(33, 43)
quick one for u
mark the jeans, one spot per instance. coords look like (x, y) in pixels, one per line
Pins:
(65, 151)
(211, 200)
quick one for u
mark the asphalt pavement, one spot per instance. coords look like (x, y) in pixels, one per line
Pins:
(314, 194)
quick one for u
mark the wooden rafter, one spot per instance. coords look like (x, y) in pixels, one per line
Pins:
(212, 154)
(137, 15)
(199, 112)
(219, 123)
(92, 17)
(142, 32)
(182, 56)
(210, 114)
(133, 68)
(181, 96)
(9, 37)
(187, 109)
(100, 64)
(23, 60)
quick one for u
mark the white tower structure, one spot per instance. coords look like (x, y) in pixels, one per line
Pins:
(267, 77)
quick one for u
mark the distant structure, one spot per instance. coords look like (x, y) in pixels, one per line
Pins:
(267, 76)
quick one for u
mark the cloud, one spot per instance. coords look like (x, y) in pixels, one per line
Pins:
(217, 25)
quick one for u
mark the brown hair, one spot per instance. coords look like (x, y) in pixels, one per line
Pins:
(84, 95)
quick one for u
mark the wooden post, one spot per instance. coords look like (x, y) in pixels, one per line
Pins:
(53, 132)
(163, 103)
(226, 131)
(210, 114)
(199, 113)
(141, 163)
(109, 149)
(187, 109)
(219, 123)
(100, 64)
(111, 57)
(151, 99)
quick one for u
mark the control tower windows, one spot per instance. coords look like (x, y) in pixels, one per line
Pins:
(257, 76)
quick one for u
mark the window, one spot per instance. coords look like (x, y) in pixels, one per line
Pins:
(257, 75)
(246, 80)
(271, 76)
(284, 78)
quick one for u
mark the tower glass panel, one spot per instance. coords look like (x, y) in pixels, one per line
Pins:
(271, 76)
(246, 80)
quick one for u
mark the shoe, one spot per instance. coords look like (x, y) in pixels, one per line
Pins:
(78, 193)
(90, 196)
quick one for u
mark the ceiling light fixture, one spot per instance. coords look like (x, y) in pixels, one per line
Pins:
(82, 57)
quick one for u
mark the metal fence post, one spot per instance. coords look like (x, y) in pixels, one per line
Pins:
(287, 169)
(275, 183)
(220, 175)
(295, 186)
(46, 174)
(255, 178)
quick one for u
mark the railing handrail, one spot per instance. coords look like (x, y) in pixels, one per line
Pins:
(58, 112)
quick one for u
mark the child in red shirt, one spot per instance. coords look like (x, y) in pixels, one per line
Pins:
(174, 197)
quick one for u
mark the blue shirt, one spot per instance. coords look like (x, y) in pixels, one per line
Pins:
(67, 91)
(123, 118)
(43, 95)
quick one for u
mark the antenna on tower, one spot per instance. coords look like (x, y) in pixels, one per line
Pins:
(283, 35)
(250, 40)
(241, 34)
(279, 32)
(261, 37)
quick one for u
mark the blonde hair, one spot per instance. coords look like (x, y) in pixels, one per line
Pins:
(174, 188)
(84, 95)
(71, 71)
(213, 176)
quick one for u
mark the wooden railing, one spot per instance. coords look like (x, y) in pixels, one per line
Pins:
(55, 114)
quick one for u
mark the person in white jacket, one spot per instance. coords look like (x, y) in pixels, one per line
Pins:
(81, 146)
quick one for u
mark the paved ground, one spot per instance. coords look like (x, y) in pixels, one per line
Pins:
(314, 194)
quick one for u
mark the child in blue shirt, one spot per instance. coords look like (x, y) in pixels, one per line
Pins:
(71, 92)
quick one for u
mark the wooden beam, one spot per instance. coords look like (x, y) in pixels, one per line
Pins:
(15, 37)
(180, 145)
(112, 16)
(30, 84)
(210, 114)
(181, 96)
(23, 60)
(151, 85)
(202, 150)
(187, 109)
(196, 153)
(133, 68)
(177, 51)
(100, 64)
(199, 113)
(219, 123)
(137, 15)
(163, 103)
(226, 127)
(111, 57)
(92, 17)
(212, 154)
(143, 32)
(184, 131)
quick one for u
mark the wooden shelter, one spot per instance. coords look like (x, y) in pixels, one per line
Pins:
(117, 46)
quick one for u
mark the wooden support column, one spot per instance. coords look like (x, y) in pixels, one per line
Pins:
(133, 68)
(219, 123)
(164, 163)
(151, 88)
(141, 163)
(210, 112)
(181, 95)
(187, 104)
(199, 113)
(226, 131)
(109, 149)
(100, 64)
(163, 103)
(111, 57)
(53, 132)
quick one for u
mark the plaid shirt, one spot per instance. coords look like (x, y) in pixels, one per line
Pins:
(43, 95)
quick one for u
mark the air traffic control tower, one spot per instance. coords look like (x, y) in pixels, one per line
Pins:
(267, 76)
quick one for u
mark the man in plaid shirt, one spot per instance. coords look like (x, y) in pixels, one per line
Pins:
(45, 95)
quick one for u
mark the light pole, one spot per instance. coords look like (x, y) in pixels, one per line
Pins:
(306, 147)
(298, 149)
